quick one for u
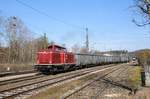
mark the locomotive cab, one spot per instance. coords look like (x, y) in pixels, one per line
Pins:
(54, 58)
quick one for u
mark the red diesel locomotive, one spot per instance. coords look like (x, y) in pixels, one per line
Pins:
(55, 58)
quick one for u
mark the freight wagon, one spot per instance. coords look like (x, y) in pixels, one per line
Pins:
(86, 60)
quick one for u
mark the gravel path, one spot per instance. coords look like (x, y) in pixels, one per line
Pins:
(101, 89)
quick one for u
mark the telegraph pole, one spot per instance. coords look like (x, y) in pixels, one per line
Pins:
(87, 40)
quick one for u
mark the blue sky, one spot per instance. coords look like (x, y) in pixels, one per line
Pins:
(109, 22)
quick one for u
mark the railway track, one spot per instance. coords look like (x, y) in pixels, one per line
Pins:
(15, 80)
(108, 83)
(16, 73)
(22, 89)
(24, 78)
(101, 80)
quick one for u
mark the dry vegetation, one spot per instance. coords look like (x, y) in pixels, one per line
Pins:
(15, 67)
(57, 91)
(143, 56)
(134, 77)
(18, 46)
(135, 81)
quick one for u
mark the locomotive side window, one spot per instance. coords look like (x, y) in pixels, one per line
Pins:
(60, 49)
(57, 48)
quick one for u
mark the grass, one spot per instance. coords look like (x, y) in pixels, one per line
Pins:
(134, 78)
(57, 91)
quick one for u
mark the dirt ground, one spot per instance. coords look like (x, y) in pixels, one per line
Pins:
(15, 67)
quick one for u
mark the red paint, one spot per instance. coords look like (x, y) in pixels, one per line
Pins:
(55, 55)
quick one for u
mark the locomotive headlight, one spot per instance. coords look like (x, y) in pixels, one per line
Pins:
(37, 61)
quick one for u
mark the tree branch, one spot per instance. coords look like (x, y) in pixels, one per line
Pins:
(142, 9)
(140, 25)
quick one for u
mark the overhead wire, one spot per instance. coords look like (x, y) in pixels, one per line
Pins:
(47, 15)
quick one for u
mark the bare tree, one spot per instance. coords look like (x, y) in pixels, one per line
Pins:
(51, 43)
(1, 33)
(144, 10)
(17, 34)
(84, 50)
(21, 47)
(41, 42)
(75, 48)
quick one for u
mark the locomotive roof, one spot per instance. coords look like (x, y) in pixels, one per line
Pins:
(57, 46)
